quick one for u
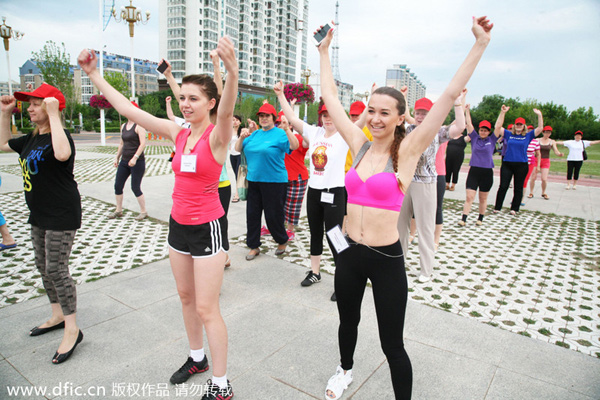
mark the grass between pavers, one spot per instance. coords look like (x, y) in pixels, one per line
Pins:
(102, 247)
(102, 169)
(535, 274)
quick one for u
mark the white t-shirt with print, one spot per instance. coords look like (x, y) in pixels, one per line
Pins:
(327, 157)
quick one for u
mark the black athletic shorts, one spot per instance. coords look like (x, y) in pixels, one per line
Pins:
(482, 178)
(199, 241)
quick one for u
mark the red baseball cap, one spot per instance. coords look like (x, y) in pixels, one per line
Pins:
(510, 126)
(548, 128)
(323, 109)
(485, 124)
(578, 133)
(423, 104)
(529, 126)
(267, 109)
(279, 116)
(520, 120)
(357, 108)
(43, 92)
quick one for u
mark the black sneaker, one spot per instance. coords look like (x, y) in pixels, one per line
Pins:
(188, 369)
(333, 297)
(214, 392)
(311, 278)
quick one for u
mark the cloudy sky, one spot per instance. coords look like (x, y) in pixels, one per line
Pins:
(547, 50)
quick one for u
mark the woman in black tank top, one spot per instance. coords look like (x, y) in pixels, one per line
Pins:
(130, 161)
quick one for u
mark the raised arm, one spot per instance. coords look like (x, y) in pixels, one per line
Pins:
(214, 56)
(170, 114)
(407, 117)
(540, 127)
(468, 121)
(288, 111)
(222, 136)
(60, 143)
(422, 136)
(457, 128)
(7, 104)
(171, 80)
(499, 127)
(87, 61)
(351, 133)
(594, 142)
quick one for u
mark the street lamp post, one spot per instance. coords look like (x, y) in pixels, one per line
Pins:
(131, 15)
(8, 33)
(306, 74)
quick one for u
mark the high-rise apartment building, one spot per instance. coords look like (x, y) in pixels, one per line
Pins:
(268, 35)
(399, 75)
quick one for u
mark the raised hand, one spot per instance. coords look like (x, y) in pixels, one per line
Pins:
(168, 99)
(404, 91)
(87, 60)
(251, 126)
(51, 104)
(245, 132)
(169, 70)
(467, 107)
(537, 112)
(505, 109)
(278, 88)
(482, 28)
(226, 52)
(324, 45)
(7, 103)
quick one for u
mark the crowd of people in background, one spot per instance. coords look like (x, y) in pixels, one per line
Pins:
(371, 173)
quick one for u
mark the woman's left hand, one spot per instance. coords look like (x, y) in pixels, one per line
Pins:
(132, 162)
(51, 104)
(226, 52)
(537, 112)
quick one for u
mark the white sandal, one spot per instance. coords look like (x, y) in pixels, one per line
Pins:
(338, 383)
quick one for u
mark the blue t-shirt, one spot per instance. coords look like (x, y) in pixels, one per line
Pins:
(265, 154)
(482, 150)
(516, 146)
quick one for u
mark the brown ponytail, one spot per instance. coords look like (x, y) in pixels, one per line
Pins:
(400, 132)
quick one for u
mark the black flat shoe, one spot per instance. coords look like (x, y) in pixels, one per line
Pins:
(40, 331)
(60, 358)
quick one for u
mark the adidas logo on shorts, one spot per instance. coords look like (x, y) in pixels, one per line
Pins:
(208, 249)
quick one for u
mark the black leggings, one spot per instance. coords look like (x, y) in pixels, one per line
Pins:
(235, 163)
(136, 172)
(453, 163)
(508, 169)
(390, 291)
(573, 168)
(441, 190)
(329, 215)
(269, 198)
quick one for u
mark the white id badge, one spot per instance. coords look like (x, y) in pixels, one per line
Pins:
(327, 197)
(337, 239)
(188, 163)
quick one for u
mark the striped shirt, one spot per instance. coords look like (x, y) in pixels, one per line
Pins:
(534, 146)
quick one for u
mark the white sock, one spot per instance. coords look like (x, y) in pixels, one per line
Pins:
(197, 355)
(220, 381)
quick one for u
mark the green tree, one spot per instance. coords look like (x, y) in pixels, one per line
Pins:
(54, 64)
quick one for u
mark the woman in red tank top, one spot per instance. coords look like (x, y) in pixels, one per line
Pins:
(196, 253)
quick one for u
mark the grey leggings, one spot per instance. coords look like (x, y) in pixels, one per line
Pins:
(52, 250)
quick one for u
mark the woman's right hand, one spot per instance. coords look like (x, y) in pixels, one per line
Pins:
(168, 99)
(324, 45)
(116, 162)
(505, 109)
(7, 104)
(278, 88)
(252, 126)
(87, 60)
(244, 133)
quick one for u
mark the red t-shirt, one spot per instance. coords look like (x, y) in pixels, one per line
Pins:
(294, 163)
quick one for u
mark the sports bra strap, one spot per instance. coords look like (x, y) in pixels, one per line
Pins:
(389, 167)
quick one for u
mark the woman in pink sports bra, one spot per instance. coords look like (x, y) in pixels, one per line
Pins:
(376, 185)
(196, 244)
